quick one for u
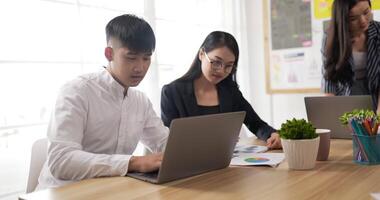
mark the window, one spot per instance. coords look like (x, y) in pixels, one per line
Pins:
(185, 25)
(45, 43)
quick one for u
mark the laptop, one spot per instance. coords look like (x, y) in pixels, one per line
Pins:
(324, 112)
(197, 145)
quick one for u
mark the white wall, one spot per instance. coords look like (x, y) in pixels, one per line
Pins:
(276, 108)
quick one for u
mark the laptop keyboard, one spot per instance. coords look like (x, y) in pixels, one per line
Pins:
(152, 175)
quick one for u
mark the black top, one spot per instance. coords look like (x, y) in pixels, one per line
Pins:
(208, 110)
(178, 100)
(360, 87)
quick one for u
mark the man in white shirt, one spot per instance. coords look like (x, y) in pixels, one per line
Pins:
(99, 119)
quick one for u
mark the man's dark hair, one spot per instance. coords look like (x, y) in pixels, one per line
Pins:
(133, 32)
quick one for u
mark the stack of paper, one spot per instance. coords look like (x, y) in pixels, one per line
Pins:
(251, 155)
(375, 196)
(271, 159)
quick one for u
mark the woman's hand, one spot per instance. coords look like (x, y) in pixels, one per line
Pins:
(274, 141)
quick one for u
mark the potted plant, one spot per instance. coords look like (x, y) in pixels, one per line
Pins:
(300, 143)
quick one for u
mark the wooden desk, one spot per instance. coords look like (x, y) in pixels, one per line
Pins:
(338, 178)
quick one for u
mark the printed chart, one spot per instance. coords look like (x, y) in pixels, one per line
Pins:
(271, 159)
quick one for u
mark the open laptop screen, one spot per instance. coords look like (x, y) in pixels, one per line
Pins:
(324, 111)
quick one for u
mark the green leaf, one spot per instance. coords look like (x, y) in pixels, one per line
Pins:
(359, 115)
(297, 129)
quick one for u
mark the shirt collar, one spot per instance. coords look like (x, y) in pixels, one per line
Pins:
(113, 86)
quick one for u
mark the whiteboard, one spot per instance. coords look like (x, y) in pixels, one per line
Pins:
(293, 33)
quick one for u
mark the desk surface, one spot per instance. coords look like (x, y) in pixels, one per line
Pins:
(337, 178)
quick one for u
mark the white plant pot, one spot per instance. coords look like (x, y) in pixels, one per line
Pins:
(301, 154)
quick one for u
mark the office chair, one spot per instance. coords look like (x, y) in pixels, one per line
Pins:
(37, 160)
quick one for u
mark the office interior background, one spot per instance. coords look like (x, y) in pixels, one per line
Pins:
(45, 43)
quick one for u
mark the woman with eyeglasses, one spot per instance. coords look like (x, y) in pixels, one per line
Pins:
(351, 51)
(209, 87)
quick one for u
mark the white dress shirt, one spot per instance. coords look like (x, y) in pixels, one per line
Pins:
(94, 130)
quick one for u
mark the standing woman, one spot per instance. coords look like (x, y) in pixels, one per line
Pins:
(352, 51)
(210, 87)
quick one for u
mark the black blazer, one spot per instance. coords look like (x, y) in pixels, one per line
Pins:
(178, 100)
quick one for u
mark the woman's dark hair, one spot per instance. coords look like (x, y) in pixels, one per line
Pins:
(214, 40)
(133, 32)
(338, 47)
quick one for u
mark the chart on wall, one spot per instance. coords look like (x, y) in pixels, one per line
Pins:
(293, 31)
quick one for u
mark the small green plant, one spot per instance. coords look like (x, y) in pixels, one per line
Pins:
(297, 129)
(359, 115)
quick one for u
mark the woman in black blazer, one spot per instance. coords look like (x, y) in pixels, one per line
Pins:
(210, 87)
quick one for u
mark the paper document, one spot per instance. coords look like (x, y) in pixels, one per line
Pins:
(242, 149)
(375, 196)
(271, 159)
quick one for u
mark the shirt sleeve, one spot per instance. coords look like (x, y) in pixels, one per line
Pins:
(253, 122)
(169, 110)
(66, 158)
(155, 134)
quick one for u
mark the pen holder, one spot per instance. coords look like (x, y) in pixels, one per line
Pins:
(366, 149)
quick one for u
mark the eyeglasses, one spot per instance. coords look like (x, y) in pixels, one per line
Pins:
(367, 14)
(216, 64)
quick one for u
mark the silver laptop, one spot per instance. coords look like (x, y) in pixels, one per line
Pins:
(197, 145)
(324, 112)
